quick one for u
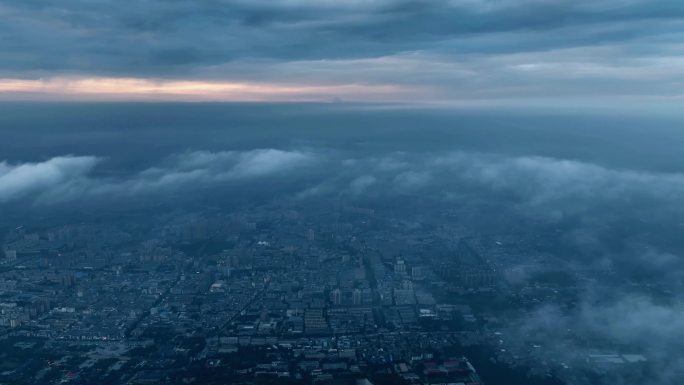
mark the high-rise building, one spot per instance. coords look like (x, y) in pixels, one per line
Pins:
(357, 297)
(418, 273)
(10, 255)
(336, 296)
(400, 267)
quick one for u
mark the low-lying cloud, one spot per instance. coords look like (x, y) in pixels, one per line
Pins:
(628, 323)
(22, 180)
(563, 187)
(69, 179)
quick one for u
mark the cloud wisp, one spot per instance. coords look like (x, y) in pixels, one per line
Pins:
(640, 326)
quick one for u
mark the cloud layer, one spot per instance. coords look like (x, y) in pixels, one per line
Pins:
(569, 186)
(68, 178)
(20, 181)
(596, 207)
(488, 50)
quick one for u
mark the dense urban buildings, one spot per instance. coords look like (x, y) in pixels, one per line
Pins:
(250, 295)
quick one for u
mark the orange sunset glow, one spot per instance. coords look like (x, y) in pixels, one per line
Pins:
(105, 88)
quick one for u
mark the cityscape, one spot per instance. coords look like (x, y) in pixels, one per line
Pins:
(308, 294)
(342, 192)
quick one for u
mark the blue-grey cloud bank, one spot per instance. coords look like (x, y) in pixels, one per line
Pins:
(567, 52)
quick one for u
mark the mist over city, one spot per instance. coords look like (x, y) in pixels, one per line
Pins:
(482, 192)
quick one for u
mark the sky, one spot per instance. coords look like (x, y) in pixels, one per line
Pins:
(604, 53)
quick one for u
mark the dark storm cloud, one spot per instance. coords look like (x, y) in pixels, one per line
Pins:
(460, 46)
